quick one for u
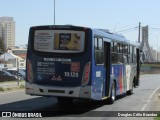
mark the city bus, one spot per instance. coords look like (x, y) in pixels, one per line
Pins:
(74, 62)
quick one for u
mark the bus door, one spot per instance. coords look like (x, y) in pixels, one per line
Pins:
(138, 67)
(107, 63)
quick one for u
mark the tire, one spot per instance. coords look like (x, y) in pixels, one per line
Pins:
(64, 100)
(130, 92)
(112, 97)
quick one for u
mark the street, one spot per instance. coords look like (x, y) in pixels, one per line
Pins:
(145, 98)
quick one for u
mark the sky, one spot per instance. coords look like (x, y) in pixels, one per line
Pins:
(119, 16)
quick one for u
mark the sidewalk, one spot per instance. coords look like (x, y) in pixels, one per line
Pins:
(11, 85)
(155, 102)
(7, 84)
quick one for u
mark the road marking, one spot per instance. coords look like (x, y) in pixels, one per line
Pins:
(11, 92)
(149, 99)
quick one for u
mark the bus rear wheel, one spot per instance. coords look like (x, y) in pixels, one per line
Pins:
(112, 97)
(130, 92)
(64, 99)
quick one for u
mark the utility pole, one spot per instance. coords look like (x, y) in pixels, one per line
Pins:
(139, 32)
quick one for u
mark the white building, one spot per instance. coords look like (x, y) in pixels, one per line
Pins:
(13, 60)
(7, 31)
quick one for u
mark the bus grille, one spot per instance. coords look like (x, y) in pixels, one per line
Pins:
(56, 91)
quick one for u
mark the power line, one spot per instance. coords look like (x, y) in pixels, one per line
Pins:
(128, 30)
(155, 29)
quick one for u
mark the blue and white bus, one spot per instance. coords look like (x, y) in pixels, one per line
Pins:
(70, 62)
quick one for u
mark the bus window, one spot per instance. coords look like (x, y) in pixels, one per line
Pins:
(134, 55)
(99, 52)
(120, 53)
(114, 58)
(115, 47)
(112, 46)
(125, 54)
(125, 58)
(125, 49)
(128, 49)
(114, 52)
(59, 41)
(120, 48)
(131, 55)
(96, 43)
(120, 58)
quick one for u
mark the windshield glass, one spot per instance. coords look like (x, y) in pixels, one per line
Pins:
(59, 41)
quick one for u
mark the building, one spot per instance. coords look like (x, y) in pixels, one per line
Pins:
(145, 45)
(21, 52)
(11, 60)
(7, 31)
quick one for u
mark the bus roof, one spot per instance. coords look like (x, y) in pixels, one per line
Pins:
(114, 37)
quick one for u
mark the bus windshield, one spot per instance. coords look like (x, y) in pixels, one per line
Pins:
(59, 41)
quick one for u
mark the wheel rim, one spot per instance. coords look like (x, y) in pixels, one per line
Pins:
(113, 92)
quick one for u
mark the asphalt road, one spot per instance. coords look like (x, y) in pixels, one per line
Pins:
(145, 98)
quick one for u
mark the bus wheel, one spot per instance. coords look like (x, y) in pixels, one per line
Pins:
(64, 99)
(130, 92)
(112, 97)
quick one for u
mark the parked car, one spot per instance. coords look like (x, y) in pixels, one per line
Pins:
(15, 73)
(6, 76)
(23, 73)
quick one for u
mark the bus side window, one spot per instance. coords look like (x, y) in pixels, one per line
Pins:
(99, 52)
(120, 53)
(125, 54)
(114, 57)
(130, 55)
(134, 55)
(114, 52)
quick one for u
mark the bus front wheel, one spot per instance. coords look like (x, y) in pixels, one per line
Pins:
(112, 97)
